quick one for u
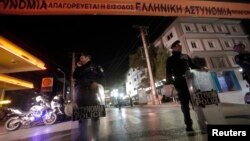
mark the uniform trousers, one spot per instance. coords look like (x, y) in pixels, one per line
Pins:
(184, 97)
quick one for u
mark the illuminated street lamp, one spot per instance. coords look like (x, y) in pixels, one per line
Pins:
(64, 81)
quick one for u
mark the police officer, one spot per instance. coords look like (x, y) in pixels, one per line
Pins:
(243, 60)
(87, 76)
(176, 67)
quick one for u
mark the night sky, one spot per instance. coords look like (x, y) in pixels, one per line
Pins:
(110, 39)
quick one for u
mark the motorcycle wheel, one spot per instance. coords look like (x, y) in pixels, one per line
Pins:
(12, 124)
(51, 120)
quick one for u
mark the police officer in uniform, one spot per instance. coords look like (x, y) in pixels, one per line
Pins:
(176, 67)
(87, 76)
(243, 60)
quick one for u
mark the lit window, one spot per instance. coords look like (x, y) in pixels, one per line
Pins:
(226, 81)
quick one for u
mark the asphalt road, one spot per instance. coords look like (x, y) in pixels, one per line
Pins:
(147, 123)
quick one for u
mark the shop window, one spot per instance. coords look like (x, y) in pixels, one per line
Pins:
(225, 81)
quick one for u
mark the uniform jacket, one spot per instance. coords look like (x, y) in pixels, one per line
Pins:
(178, 64)
(88, 73)
(243, 60)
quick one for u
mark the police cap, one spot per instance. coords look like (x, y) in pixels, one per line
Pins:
(175, 43)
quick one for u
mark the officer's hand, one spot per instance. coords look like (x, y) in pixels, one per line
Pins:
(204, 69)
(79, 64)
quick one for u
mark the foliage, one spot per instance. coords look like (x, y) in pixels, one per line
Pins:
(160, 62)
(145, 82)
(158, 57)
(137, 59)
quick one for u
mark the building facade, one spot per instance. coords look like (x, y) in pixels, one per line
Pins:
(133, 81)
(212, 39)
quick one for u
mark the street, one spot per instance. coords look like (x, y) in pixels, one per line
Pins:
(139, 123)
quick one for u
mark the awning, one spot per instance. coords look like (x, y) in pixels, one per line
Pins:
(15, 59)
(11, 83)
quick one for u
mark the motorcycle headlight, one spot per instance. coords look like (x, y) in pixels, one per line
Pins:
(16, 111)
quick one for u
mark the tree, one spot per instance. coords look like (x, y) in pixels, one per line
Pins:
(158, 57)
(137, 60)
(160, 63)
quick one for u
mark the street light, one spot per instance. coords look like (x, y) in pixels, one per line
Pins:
(64, 81)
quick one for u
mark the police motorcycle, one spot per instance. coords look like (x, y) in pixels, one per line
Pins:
(57, 105)
(4, 113)
(38, 113)
(10, 112)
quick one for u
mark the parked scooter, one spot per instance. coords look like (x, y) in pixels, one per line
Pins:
(39, 113)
